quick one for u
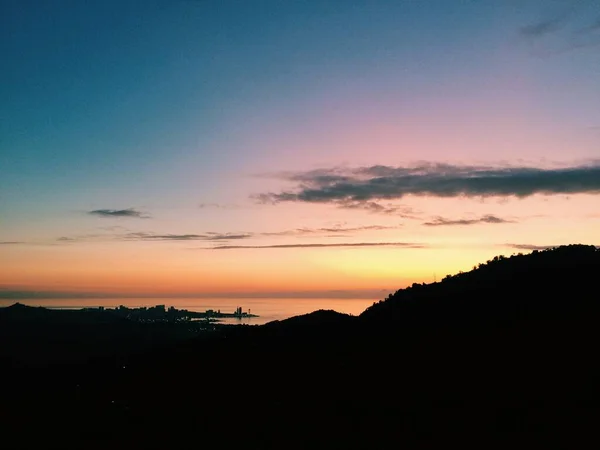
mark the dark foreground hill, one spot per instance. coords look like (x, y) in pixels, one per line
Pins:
(502, 356)
(41, 337)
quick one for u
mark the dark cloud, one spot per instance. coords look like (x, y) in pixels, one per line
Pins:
(441, 221)
(11, 242)
(66, 239)
(211, 236)
(350, 244)
(130, 212)
(366, 187)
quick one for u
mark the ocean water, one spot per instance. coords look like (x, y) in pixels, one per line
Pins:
(268, 309)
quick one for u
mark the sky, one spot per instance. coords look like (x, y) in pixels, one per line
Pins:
(291, 148)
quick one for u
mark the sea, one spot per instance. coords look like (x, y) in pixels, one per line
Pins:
(267, 309)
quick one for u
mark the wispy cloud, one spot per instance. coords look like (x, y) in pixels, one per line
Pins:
(334, 229)
(545, 26)
(114, 228)
(338, 230)
(591, 28)
(566, 30)
(217, 206)
(11, 242)
(405, 212)
(129, 212)
(530, 246)
(94, 237)
(348, 244)
(148, 236)
(490, 219)
(210, 236)
(364, 186)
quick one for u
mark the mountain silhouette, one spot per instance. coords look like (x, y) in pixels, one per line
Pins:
(501, 354)
(559, 281)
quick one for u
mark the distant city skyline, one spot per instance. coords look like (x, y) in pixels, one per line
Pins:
(299, 148)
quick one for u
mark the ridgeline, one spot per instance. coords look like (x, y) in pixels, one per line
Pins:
(500, 355)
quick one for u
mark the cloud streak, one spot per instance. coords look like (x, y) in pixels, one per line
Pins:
(530, 246)
(218, 206)
(377, 208)
(595, 26)
(367, 186)
(155, 237)
(347, 244)
(566, 39)
(129, 212)
(210, 236)
(335, 229)
(490, 219)
(544, 27)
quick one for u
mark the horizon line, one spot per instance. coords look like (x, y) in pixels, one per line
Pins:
(15, 295)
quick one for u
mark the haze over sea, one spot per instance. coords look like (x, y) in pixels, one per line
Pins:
(268, 309)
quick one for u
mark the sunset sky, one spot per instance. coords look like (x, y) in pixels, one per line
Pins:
(297, 147)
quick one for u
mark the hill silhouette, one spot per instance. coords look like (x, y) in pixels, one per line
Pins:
(39, 337)
(505, 289)
(502, 354)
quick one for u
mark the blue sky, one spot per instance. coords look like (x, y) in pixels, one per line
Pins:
(177, 109)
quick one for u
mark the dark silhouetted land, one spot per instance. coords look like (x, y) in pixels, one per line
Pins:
(504, 355)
